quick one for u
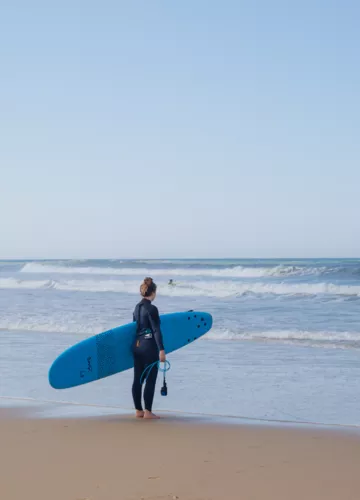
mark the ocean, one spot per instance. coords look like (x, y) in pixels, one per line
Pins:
(285, 344)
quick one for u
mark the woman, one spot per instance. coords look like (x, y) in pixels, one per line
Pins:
(148, 348)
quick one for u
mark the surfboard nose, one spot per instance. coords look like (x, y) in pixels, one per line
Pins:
(205, 321)
(210, 320)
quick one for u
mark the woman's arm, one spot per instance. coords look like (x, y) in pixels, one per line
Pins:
(155, 326)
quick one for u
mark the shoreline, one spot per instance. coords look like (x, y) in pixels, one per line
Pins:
(112, 457)
(67, 409)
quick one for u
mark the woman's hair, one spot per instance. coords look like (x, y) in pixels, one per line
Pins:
(148, 287)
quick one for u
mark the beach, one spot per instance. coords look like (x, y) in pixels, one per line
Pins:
(120, 458)
(264, 407)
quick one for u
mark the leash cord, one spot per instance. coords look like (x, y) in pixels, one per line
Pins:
(146, 372)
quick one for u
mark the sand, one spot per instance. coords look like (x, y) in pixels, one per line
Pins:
(120, 458)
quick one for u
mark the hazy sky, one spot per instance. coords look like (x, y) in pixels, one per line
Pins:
(179, 128)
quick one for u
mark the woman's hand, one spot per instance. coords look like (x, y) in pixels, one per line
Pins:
(162, 356)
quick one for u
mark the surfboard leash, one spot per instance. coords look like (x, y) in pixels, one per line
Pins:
(146, 373)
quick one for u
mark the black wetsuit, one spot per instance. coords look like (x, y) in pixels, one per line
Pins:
(148, 343)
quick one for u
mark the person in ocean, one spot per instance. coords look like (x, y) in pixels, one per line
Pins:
(171, 283)
(147, 349)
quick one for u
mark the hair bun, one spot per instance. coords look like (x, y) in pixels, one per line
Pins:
(147, 287)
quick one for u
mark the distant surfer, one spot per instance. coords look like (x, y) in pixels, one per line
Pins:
(171, 283)
(148, 348)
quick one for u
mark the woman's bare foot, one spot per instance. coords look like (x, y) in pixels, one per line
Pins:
(139, 414)
(150, 415)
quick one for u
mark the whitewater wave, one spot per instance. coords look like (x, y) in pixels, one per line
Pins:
(12, 283)
(49, 325)
(220, 289)
(337, 339)
(228, 272)
(233, 272)
(78, 326)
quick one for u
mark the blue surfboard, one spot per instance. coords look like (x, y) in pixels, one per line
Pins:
(110, 352)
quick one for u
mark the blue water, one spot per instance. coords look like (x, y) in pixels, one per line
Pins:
(295, 322)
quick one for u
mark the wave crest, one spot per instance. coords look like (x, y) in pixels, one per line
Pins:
(227, 272)
(80, 326)
(324, 338)
(220, 289)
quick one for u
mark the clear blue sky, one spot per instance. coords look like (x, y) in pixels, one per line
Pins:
(179, 128)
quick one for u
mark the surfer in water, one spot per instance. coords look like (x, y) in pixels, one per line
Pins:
(171, 283)
(148, 348)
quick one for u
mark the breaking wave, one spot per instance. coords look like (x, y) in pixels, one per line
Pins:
(219, 272)
(323, 338)
(220, 289)
(80, 326)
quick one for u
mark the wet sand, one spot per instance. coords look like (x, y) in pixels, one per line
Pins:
(120, 458)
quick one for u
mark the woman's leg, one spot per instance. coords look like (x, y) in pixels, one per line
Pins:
(150, 389)
(136, 388)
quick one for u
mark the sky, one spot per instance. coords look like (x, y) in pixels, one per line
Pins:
(184, 128)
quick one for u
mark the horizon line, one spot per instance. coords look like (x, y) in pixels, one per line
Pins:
(54, 259)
